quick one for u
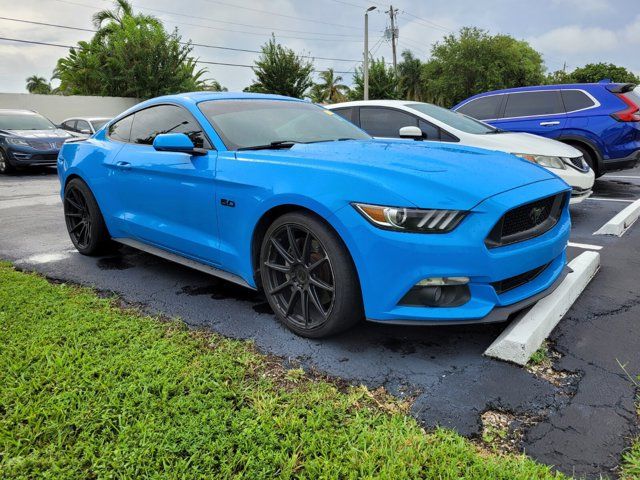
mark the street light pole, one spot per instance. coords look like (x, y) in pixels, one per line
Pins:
(366, 53)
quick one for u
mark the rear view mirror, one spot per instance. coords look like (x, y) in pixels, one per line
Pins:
(411, 132)
(176, 142)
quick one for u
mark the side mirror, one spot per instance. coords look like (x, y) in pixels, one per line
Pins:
(411, 132)
(85, 132)
(176, 142)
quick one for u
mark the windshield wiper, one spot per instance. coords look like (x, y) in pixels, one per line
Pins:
(494, 132)
(271, 146)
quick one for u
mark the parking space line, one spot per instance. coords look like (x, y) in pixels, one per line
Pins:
(610, 199)
(622, 176)
(622, 221)
(584, 246)
(526, 333)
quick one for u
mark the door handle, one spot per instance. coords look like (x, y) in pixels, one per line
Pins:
(123, 165)
(548, 124)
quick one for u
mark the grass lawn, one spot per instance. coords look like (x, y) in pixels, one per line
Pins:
(89, 390)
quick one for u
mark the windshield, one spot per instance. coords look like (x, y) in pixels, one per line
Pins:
(97, 124)
(250, 123)
(453, 119)
(24, 121)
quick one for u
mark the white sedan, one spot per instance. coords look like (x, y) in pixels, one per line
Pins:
(424, 121)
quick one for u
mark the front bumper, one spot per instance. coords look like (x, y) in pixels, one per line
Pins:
(390, 263)
(27, 156)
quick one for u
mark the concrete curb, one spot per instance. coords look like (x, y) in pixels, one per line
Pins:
(622, 221)
(525, 334)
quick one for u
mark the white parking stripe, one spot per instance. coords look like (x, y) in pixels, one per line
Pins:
(584, 246)
(622, 221)
(527, 332)
(622, 176)
(610, 199)
(30, 201)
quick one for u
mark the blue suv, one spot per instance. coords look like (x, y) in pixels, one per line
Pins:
(600, 119)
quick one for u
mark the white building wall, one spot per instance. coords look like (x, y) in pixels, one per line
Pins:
(59, 107)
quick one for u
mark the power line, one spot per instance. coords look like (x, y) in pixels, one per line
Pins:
(207, 62)
(234, 49)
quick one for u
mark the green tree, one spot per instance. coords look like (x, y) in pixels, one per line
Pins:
(410, 77)
(382, 82)
(37, 84)
(281, 71)
(329, 90)
(131, 55)
(473, 61)
(594, 72)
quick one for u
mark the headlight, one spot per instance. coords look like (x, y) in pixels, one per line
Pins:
(17, 141)
(543, 160)
(415, 220)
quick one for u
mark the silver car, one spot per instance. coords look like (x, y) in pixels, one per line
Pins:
(83, 126)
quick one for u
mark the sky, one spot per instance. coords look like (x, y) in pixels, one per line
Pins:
(574, 32)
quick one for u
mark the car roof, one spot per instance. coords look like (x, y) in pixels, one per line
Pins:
(17, 111)
(364, 103)
(89, 119)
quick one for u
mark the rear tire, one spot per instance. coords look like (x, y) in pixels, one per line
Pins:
(308, 276)
(85, 223)
(5, 165)
(589, 158)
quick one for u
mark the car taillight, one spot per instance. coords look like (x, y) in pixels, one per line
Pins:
(629, 114)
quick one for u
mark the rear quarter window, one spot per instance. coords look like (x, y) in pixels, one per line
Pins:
(576, 100)
(121, 130)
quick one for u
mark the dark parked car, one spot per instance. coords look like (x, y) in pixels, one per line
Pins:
(602, 120)
(28, 139)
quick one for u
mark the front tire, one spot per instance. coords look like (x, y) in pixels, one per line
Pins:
(84, 220)
(5, 165)
(308, 277)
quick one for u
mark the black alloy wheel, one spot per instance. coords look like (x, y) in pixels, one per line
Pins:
(84, 220)
(5, 165)
(308, 278)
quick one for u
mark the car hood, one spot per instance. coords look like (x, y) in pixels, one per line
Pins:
(515, 142)
(428, 175)
(38, 134)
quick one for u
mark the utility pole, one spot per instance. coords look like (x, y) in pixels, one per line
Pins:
(365, 69)
(394, 37)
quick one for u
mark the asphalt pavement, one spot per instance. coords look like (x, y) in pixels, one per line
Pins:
(581, 424)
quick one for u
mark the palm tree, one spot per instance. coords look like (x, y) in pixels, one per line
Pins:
(37, 84)
(330, 90)
(410, 71)
(117, 17)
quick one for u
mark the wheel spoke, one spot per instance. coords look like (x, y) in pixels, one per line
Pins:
(281, 287)
(305, 306)
(74, 215)
(316, 264)
(305, 248)
(82, 234)
(292, 243)
(320, 284)
(277, 267)
(292, 301)
(76, 226)
(73, 203)
(313, 295)
(282, 251)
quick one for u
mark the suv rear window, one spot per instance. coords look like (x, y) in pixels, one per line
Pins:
(483, 108)
(576, 100)
(346, 113)
(526, 104)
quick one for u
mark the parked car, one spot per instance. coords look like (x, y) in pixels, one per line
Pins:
(602, 120)
(28, 139)
(83, 127)
(278, 194)
(424, 121)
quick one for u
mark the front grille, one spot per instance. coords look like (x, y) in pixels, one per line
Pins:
(527, 221)
(514, 282)
(45, 144)
(578, 162)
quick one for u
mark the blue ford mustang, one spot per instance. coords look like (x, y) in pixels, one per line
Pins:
(278, 194)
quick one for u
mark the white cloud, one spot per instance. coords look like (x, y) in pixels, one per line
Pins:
(574, 39)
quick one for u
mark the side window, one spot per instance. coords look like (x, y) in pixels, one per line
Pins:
(384, 122)
(82, 125)
(576, 100)
(483, 108)
(447, 137)
(69, 125)
(533, 103)
(346, 113)
(430, 131)
(153, 121)
(121, 130)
